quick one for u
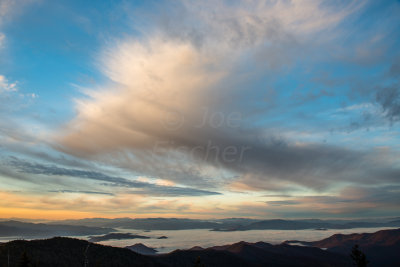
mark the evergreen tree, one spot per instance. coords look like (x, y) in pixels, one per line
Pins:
(358, 257)
(24, 261)
(198, 262)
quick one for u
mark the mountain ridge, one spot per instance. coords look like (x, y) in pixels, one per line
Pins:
(61, 251)
(24, 229)
(229, 224)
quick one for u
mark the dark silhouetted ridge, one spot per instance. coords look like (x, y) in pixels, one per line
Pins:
(381, 249)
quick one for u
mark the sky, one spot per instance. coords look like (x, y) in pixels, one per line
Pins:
(199, 109)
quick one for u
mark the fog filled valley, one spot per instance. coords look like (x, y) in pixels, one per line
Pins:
(304, 247)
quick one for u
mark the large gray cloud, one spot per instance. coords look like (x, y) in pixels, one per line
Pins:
(312, 165)
(166, 81)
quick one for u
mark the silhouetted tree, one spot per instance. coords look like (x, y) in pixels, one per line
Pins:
(24, 261)
(358, 257)
(198, 262)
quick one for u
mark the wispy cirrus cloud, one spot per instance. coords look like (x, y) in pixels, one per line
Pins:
(6, 86)
(355, 200)
(9, 9)
(82, 192)
(139, 187)
(2, 39)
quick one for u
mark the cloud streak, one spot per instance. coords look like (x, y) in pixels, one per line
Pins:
(142, 187)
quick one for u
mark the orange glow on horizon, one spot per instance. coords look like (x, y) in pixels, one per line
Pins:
(34, 214)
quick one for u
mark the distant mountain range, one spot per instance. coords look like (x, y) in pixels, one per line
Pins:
(381, 248)
(232, 224)
(150, 223)
(18, 229)
(100, 226)
(314, 224)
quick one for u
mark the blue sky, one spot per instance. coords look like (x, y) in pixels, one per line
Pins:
(199, 109)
